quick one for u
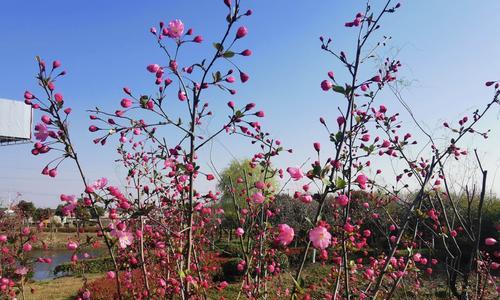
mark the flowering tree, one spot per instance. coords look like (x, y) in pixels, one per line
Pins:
(161, 224)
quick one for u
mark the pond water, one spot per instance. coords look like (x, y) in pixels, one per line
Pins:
(42, 271)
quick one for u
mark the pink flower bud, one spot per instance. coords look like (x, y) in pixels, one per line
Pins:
(246, 52)
(342, 200)
(72, 245)
(260, 185)
(317, 146)
(198, 39)
(340, 120)
(28, 95)
(27, 247)
(239, 232)
(56, 64)
(46, 119)
(260, 114)
(58, 97)
(153, 68)
(242, 32)
(490, 241)
(244, 77)
(53, 172)
(326, 85)
(249, 106)
(181, 95)
(126, 103)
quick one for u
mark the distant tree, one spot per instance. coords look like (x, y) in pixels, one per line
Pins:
(27, 208)
(238, 170)
(294, 213)
(41, 214)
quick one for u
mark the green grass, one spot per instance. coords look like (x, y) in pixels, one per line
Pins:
(57, 289)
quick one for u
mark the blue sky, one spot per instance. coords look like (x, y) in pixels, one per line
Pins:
(448, 49)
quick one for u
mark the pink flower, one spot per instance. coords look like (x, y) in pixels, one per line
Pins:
(242, 32)
(3, 238)
(175, 29)
(125, 238)
(362, 180)
(260, 185)
(27, 247)
(348, 227)
(295, 173)
(326, 85)
(223, 285)
(239, 232)
(490, 241)
(72, 246)
(286, 234)
(306, 198)
(110, 274)
(258, 198)
(417, 257)
(320, 237)
(41, 132)
(342, 200)
(21, 271)
(100, 183)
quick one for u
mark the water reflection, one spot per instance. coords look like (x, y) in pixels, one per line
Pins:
(42, 271)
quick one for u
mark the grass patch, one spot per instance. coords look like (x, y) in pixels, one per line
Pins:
(57, 289)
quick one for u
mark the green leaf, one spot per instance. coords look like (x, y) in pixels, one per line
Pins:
(228, 54)
(339, 136)
(238, 114)
(338, 89)
(340, 183)
(217, 76)
(218, 46)
(316, 170)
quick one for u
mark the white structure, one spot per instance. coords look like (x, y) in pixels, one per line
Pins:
(15, 122)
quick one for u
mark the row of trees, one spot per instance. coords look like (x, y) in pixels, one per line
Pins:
(370, 233)
(35, 214)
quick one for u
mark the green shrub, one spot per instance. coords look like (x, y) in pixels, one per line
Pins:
(283, 261)
(230, 249)
(95, 265)
(230, 271)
